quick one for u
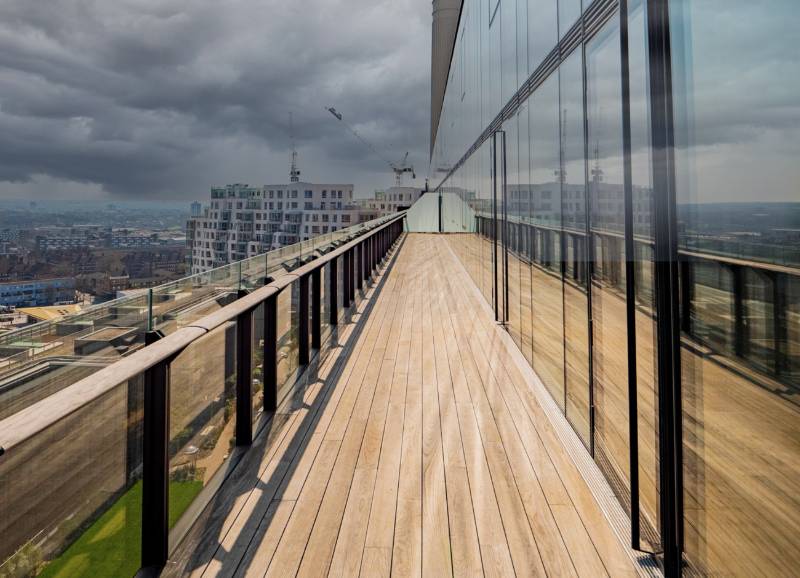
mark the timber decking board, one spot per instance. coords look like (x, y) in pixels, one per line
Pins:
(414, 451)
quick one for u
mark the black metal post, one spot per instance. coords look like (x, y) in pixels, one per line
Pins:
(302, 321)
(316, 308)
(351, 263)
(441, 229)
(333, 292)
(244, 379)
(270, 368)
(373, 251)
(155, 467)
(360, 267)
(347, 279)
(365, 260)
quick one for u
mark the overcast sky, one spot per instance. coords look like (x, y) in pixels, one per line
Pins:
(135, 99)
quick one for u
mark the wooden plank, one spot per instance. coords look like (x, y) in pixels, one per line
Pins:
(562, 478)
(464, 544)
(352, 534)
(348, 419)
(407, 545)
(380, 528)
(436, 555)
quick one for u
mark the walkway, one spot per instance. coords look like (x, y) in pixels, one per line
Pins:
(419, 449)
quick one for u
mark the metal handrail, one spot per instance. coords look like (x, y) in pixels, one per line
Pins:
(35, 418)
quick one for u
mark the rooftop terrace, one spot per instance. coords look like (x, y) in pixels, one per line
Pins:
(418, 447)
(362, 414)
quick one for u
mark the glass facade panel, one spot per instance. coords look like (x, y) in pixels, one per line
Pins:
(572, 175)
(524, 253)
(513, 227)
(593, 303)
(737, 129)
(568, 13)
(546, 292)
(606, 199)
(542, 31)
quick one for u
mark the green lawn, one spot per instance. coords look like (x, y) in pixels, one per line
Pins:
(112, 545)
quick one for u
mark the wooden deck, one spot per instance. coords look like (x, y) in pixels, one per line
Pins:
(416, 449)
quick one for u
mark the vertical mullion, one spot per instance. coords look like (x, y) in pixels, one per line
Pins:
(666, 261)
(630, 289)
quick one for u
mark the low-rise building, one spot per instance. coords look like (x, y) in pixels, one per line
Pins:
(37, 293)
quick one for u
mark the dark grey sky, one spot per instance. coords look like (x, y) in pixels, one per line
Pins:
(164, 98)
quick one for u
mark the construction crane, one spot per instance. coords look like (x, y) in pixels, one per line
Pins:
(397, 168)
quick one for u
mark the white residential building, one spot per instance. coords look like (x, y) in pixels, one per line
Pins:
(391, 200)
(241, 221)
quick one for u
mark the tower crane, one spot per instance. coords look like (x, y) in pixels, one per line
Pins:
(398, 168)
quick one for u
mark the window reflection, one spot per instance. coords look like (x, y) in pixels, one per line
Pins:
(568, 13)
(606, 199)
(545, 206)
(572, 175)
(738, 214)
(735, 69)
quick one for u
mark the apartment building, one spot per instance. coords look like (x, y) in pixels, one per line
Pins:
(241, 221)
(391, 200)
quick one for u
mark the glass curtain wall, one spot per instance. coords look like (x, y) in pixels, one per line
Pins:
(592, 199)
(736, 80)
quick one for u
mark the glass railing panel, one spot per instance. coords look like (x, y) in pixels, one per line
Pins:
(325, 309)
(71, 495)
(252, 272)
(202, 406)
(38, 360)
(340, 273)
(288, 345)
(257, 363)
(44, 359)
(187, 300)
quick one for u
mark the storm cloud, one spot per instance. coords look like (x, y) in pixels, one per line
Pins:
(164, 98)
